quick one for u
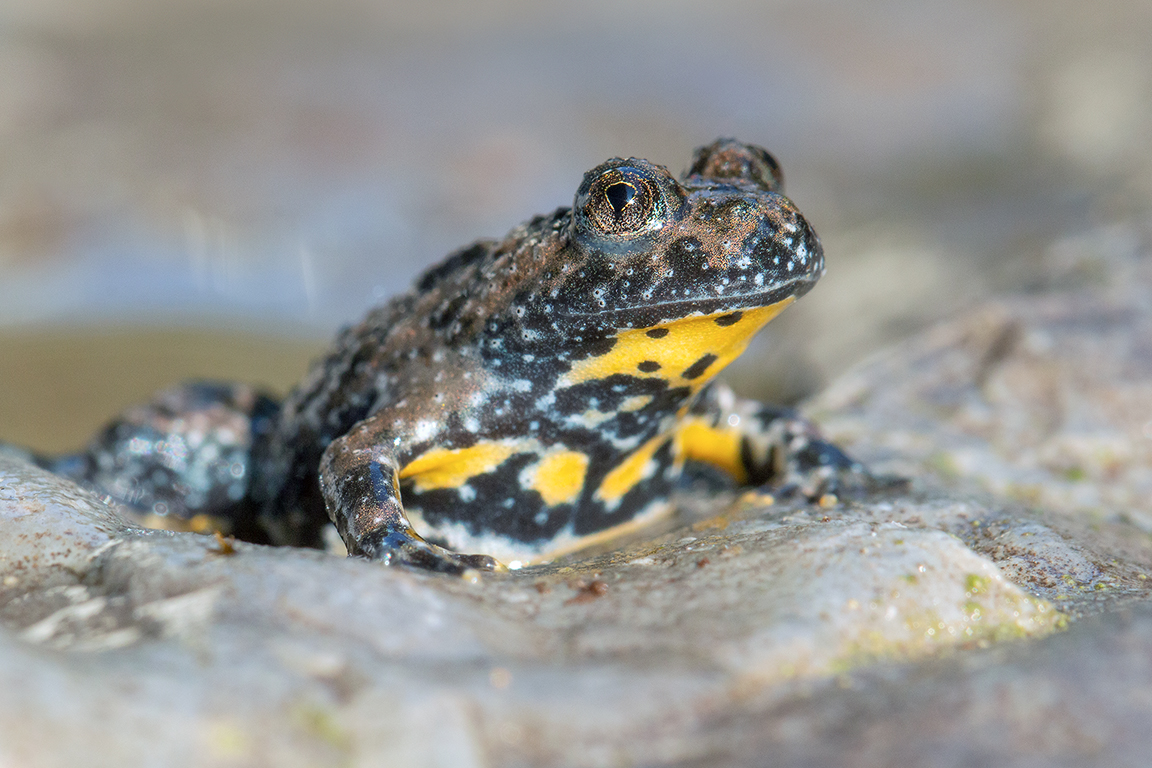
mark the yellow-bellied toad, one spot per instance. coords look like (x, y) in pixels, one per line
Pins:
(525, 396)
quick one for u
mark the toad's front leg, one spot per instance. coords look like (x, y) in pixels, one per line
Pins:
(359, 478)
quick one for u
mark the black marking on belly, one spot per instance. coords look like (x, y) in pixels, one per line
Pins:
(649, 366)
(730, 319)
(592, 516)
(696, 370)
(608, 394)
(657, 333)
(490, 512)
(760, 468)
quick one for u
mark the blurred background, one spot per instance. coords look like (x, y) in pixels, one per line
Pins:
(211, 187)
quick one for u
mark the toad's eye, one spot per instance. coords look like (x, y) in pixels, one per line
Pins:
(622, 201)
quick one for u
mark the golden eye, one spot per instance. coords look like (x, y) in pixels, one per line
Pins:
(621, 202)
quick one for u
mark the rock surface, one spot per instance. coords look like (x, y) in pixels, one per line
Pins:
(986, 615)
(1043, 398)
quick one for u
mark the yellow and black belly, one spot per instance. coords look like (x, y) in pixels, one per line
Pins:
(599, 453)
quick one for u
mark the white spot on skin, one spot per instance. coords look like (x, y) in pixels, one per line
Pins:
(588, 419)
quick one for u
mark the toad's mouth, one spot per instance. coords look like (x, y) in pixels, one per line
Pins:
(670, 311)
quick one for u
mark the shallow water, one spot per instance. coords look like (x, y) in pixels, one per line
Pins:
(58, 386)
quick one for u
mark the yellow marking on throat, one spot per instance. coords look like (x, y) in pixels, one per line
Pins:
(444, 468)
(699, 441)
(684, 343)
(558, 477)
(639, 466)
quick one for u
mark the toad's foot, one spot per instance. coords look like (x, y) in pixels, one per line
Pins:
(398, 547)
(772, 448)
(819, 469)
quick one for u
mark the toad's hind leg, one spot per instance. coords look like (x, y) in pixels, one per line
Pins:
(360, 483)
(181, 460)
(759, 444)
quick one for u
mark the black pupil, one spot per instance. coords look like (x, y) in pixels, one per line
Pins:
(620, 195)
